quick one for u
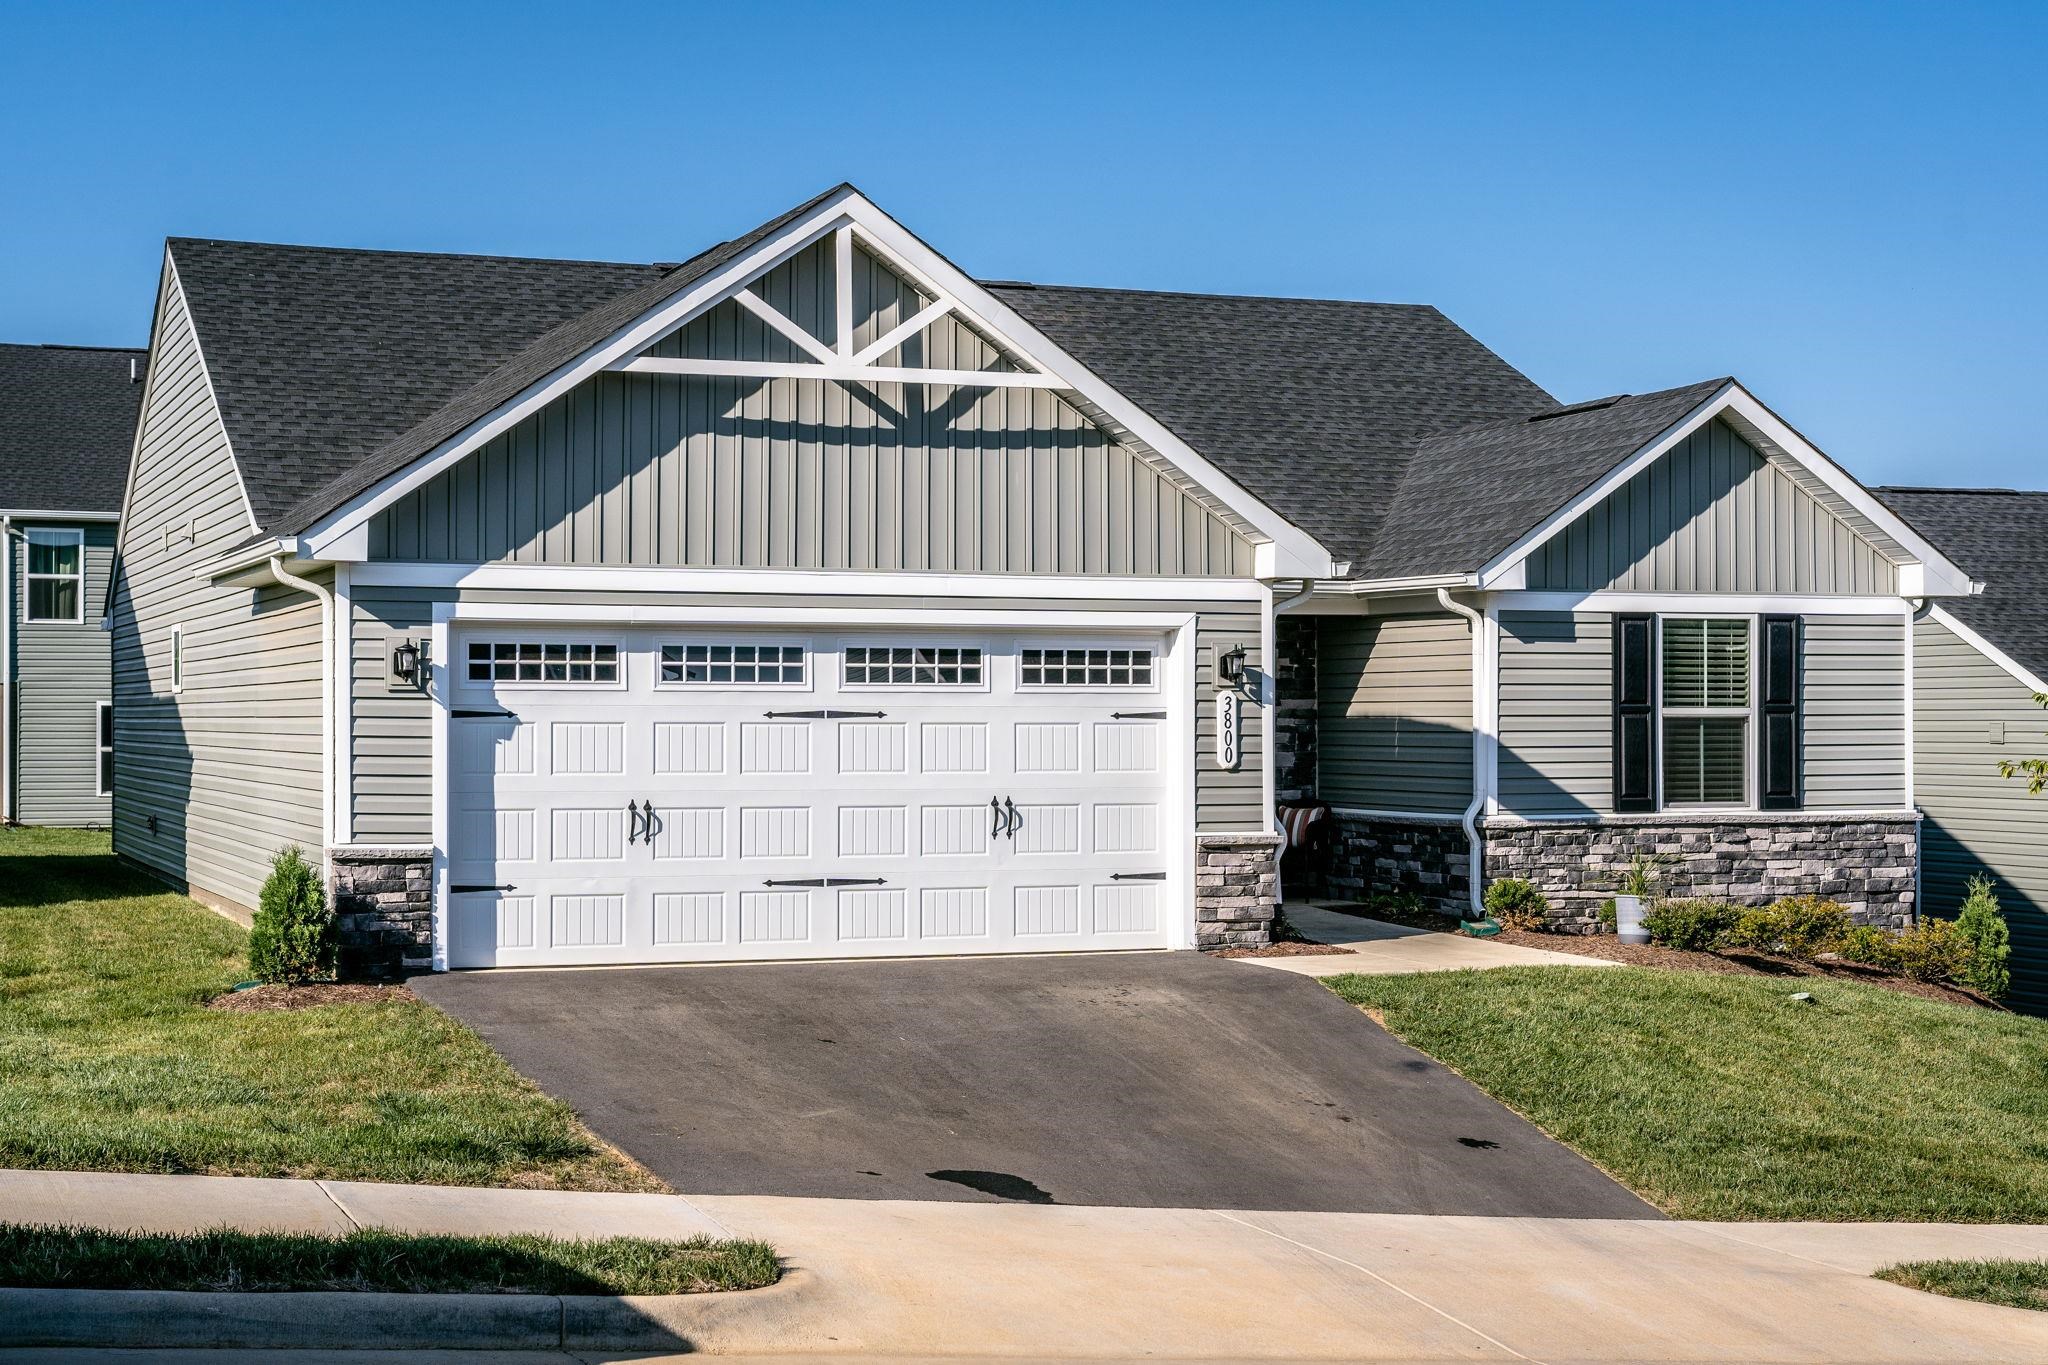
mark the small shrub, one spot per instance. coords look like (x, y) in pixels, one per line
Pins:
(1797, 926)
(1694, 926)
(1932, 950)
(1982, 926)
(1869, 945)
(291, 939)
(1610, 917)
(1516, 903)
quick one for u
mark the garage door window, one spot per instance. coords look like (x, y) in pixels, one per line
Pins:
(1085, 668)
(717, 665)
(537, 661)
(912, 666)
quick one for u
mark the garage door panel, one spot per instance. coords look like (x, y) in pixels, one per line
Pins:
(989, 817)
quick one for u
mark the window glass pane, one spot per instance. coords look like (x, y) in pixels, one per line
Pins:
(106, 727)
(106, 771)
(1706, 663)
(52, 599)
(1705, 758)
(52, 559)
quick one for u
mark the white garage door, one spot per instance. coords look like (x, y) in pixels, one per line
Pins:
(696, 795)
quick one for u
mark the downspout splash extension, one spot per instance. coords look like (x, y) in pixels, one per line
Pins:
(1470, 819)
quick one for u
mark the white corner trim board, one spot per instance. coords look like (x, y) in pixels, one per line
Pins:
(343, 533)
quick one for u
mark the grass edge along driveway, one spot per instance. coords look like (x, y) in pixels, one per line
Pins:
(109, 1060)
(2010, 1284)
(1721, 1097)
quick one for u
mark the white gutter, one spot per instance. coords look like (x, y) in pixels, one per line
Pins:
(33, 514)
(1470, 819)
(325, 596)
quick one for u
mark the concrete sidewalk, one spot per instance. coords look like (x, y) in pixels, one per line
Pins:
(915, 1279)
(1377, 948)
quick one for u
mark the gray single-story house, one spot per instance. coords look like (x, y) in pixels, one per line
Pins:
(67, 428)
(1978, 663)
(946, 615)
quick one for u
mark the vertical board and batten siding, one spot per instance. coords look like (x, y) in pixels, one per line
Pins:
(706, 472)
(229, 767)
(1712, 515)
(1853, 712)
(1394, 713)
(1968, 713)
(1556, 724)
(391, 731)
(61, 675)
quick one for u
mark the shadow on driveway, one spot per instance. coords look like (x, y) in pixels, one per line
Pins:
(1142, 1080)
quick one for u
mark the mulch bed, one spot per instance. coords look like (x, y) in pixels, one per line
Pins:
(258, 999)
(1736, 963)
(1291, 949)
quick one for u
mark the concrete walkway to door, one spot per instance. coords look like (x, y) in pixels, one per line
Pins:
(1376, 948)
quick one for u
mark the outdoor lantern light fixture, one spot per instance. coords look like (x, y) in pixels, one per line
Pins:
(1231, 666)
(405, 662)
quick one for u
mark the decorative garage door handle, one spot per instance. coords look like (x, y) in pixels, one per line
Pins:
(1016, 819)
(824, 715)
(633, 832)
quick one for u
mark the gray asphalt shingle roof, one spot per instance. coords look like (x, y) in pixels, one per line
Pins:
(67, 426)
(2000, 537)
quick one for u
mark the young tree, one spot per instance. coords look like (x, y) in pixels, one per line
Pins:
(292, 938)
(2035, 770)
(1982, 924)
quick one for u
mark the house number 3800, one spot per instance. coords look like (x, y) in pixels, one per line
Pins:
(1227, 730)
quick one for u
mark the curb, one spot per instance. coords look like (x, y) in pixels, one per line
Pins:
(345, 1320)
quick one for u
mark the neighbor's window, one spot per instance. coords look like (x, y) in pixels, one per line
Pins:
(1706, 711)
(538, 661)
(1085, 668)
(56, 576)
(720, 664)
(106, 755)
(177, 658)
(912, 666)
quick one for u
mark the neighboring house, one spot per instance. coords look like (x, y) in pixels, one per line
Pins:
(1977, 664)
(812, 598)
(67, 427)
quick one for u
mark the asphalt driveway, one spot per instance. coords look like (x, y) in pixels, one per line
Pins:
(1143, 1080)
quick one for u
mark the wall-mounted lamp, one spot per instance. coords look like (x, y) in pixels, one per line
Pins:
(405, 662)
(1230, 667)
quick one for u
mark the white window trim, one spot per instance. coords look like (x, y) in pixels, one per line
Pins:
(42, 535)
(177, 658)
(1748, 804)
(102, 726)
(467, 683)
(806, 684)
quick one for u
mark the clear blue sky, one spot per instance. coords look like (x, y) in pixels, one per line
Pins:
(1841, 204)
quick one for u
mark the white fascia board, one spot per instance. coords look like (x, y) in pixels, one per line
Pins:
(820, 583)
(1990, 651)
(1369, 587)
(1707, 603)
(30, 514)
(1935, 574)
(1295, 553)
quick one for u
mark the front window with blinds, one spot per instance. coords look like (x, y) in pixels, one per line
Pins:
(1706, 706)
(56, 576)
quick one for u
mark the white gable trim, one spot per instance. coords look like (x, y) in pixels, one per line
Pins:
(1990, 651)
(1288, 552)
(1923, 570)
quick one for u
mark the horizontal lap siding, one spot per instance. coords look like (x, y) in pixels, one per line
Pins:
(1711, 516)
(229, 767)
(1854, 712)
(392, 732)
(1394, 712)
(62, 674)
(1556, 713)
(1975, 821)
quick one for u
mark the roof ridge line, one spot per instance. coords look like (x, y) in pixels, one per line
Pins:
(1200, 294)
(421, 255)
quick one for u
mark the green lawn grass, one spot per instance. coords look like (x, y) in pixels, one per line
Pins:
(109, 1062)
(1720, 1097)
(374, 1259)
(2015, 1284)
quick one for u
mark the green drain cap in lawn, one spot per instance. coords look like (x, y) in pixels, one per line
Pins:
(1482, 928)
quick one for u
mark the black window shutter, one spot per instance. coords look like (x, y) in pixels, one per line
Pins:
(1780, 786)
(1635, 721)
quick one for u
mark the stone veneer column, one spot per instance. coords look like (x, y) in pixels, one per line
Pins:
(383, 901)
(1236, 883)
(1868, 863)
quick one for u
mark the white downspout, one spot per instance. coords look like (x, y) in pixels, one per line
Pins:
(1470, 819)
(325, 597)
(1916, 611)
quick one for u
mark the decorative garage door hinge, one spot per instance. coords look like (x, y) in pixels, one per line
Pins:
(1137, 715)
(827, 881)
(1137, 876)
(823, 715)
(483, 715)
(462, 887)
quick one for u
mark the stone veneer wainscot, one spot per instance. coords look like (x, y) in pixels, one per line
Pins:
(1869, 863)
(383, 901)
(1236, 883)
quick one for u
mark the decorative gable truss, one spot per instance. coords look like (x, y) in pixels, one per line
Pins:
(847, 296)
